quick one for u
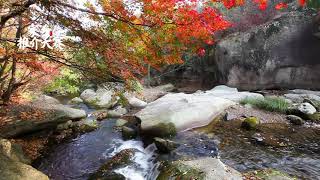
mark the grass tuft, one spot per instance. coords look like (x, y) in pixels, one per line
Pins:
(273, 104)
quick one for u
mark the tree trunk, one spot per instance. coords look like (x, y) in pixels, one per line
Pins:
(12, 83)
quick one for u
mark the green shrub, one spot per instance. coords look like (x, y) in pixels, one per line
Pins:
(317, 104)
(135, 85)
(123, 101)
(273, 104)
(67, 83)
(313, 4)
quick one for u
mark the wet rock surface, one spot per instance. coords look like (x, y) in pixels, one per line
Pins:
(296, 120)
(14, 165)
(268, 174)
(202, 169)
(128, 133)
(106, 171)
(177, 112)
(271, 142)
(165, 145)
(279, 146)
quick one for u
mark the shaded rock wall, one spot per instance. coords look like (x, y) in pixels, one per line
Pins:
(279, 51)
(282, 53)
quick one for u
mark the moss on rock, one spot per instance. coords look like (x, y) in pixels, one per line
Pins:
(250, 123)
(268, 174)
(177, 170)
(106, 171)
(162, 130)
(314, 117)
(212, 125)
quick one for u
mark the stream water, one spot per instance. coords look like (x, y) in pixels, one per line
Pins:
(298, 155)
(82, 156)
(78, 158)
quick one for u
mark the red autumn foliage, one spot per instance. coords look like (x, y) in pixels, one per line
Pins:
(126, 43)
(302, 2)
(281, 6)
(201, 52)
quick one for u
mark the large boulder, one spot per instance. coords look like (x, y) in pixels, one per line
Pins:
(68, 112)
(102, 98)
(178, 112)
(304, 91)
(204, 168)
(232, 93)
(44, 99)
(45, 113)
(20, 127)
(51, 104)
(12, 163)
(152, 93)
(299, 98)
(282, 53)
(13, 151)
(137, 103)
(15, 170)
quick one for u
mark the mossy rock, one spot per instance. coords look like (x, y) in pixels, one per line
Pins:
(296, 120)
(269, 174)
(161, 130)
(13, 151)
(314, 117)
(85, 127)
(121, 159)
(250, 123)
(213, 124)
(168, 129)
(129, 133)
(121, 122)
(165, 145)
(177, 170)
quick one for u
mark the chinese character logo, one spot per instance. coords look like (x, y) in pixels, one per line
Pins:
(44, 39)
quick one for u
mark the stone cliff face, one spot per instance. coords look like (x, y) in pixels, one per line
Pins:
(282, 52)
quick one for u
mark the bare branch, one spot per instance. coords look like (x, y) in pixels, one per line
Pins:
(16, 12)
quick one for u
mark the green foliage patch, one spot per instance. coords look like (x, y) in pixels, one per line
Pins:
(313, 4)
(67, 83)
(273, 104)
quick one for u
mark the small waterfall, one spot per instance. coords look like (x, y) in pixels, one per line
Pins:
(143, 167)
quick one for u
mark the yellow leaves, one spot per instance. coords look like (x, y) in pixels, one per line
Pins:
(137, 21)
(240, 2)
(106, 5)
(117, 6)
(2, 51)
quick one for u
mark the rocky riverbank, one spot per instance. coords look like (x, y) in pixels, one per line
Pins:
(187, 129)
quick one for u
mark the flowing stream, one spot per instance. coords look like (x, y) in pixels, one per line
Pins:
(80, 157)
(76, 159)
(298, 155)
